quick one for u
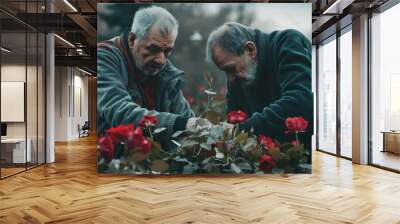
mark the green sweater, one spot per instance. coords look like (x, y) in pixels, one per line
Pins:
(120, 96)
(282, 87)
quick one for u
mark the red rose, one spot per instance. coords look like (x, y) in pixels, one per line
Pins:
(137, 137)
(296, 124)
(148, 120)
(266, 163)
(145, 146)
(267, 142)
(138, 140)
(106, 147)
(237, 117)
(120, 132)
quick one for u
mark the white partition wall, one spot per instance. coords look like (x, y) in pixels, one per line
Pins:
(71, 102)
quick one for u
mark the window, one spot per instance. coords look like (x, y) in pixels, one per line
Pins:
(327, 96)
(385, 88)
(22, 75)
(346, 93)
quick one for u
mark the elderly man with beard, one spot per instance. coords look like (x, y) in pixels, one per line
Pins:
(135, 77)
(268, 77)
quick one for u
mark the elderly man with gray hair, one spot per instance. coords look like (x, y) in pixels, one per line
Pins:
(135, 77)
(268, 77)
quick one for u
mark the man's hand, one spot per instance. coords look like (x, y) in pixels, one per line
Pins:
(199, 123)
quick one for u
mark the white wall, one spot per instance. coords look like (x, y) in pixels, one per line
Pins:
(314, 90)
(71, 93)
(33, 127)
(61, 103)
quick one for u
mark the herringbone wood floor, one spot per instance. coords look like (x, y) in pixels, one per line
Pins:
(70, 191)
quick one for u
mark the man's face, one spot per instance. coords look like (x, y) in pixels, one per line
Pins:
(150, 53)
(237, 67)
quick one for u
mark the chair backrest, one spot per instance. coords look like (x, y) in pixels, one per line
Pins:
(86, 125)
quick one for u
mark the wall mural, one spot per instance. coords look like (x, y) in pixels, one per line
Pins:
(204, 88)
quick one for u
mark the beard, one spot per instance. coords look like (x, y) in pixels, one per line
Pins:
(251, 67)
(151, 70)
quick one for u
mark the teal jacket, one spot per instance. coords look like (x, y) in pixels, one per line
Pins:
(120, 98)
(282, 87)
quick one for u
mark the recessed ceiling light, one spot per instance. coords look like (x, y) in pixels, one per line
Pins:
(5, 50)
(70, 5)
(64, 40)
(84, 71)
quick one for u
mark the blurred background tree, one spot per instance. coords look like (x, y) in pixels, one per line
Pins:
(196, 21)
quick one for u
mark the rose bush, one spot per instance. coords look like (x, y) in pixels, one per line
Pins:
(127, 149)
(219, 149)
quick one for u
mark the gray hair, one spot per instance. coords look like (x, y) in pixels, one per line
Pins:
(145, 18)
(230, 37)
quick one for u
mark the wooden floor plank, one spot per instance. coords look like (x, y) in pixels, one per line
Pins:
(71, 191)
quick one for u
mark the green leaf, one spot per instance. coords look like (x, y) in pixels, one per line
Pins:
(204, 133)
(227, 134)
(295, 153)
(245, 166)
(102, 166)
(235, 168)
(305, 166)
(219, 155)
(101, 162)
(216, 134)
(176, 143)
(285, 146)
(190, 169)
(213, 169)
(159, 165)
(155, 145)
(275, 153)
(159, 130)
(205, 161)
(113, 166)
(250, 144)
(177, 134)
(283, 162)
(138, 156)
(213, 117)
(241, 138)
(181, 160)
(189, 143)
(276, 170)
(205, 146)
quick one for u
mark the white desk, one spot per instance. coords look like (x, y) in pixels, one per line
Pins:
(18, 150)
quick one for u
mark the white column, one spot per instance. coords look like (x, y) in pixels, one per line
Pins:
(360, 90)
(50, 93)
